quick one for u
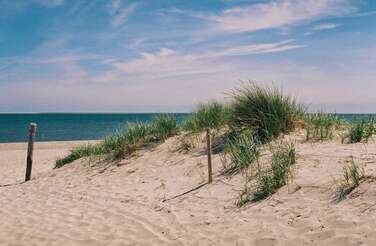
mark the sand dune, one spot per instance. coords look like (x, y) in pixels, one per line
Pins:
(122, 204)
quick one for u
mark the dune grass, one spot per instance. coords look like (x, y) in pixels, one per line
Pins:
(79, 152)
(164, 126)
(126, 141)
(243, 150)
(362, 131)
(269, 180)
(264, 110)
(320, 126)
(211, 115)
(137, 132)
(351, 177)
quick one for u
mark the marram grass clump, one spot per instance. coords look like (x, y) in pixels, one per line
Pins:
(211, 115)
(264, 110)
(137, 132)
(125, 142)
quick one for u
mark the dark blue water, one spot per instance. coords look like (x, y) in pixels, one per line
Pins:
(64, 126)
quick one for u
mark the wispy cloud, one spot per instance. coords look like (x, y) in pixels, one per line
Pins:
(254, 49)
(120, 13)
(362, 14)
(326, 26)
(159, 64)
(277, 14)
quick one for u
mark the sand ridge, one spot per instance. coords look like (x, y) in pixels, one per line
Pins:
(122, 204)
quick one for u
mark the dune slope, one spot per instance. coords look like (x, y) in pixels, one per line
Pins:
(125, 203)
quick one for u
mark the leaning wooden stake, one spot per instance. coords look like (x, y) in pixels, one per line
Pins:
(209, 148)
(30, 149)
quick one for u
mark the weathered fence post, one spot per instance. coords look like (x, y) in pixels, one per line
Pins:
(209, 148)
(30, 149)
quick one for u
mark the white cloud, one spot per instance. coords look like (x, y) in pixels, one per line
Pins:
(326, 26)
(253, 49)
(277, 14)
(361, 14)
(120, 13)
(169, 63)
(162, 64)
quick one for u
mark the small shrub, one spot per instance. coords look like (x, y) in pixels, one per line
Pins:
(361, 131)
(243, 151)
(265, 111)
(352, 176)
(211, 115)
(320, 126)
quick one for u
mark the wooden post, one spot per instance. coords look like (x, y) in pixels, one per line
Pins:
(209, 148)
(30, 149)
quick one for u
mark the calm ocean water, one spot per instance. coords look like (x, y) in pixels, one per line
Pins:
(64, 127)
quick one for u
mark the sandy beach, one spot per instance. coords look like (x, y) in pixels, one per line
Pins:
(125, 203)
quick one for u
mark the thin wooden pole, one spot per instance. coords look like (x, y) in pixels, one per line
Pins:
(30, 149)
(209, 148)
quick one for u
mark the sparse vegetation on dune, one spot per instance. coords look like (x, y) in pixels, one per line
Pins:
(362, 131)
(164, 126)
(243, 150)
(125, 142)
(267, 180)
(352, 176)
(79, 152)
(211, 115)
(320, 126)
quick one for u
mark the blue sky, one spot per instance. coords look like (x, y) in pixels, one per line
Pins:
(133, 56)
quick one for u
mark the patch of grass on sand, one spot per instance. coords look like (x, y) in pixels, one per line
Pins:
(79, 152)
(164, 126)
(320, 126)
(211, 115)
(264, 110)
(243, 150)
(361, 131)
(269, 180)
(351, 177)
(125, 142)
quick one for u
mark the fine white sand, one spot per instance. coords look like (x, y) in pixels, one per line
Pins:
(123, 203)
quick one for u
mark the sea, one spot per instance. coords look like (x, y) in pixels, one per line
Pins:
(84, 126)
(69, 126)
